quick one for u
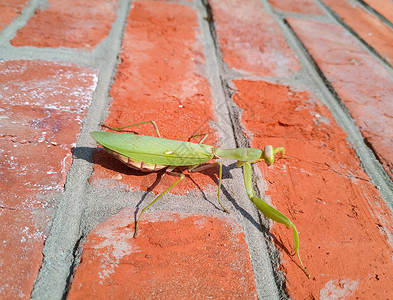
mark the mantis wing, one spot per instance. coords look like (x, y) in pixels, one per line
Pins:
(154, 150)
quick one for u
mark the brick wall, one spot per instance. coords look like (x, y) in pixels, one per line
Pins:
(314, 77)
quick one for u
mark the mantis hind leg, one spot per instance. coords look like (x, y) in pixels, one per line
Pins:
(205, 135)
(136, 124)
(270, 211)
(158, 197)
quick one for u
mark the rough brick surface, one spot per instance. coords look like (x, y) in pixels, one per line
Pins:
(235, 69)
(364, 84)
(323, 190)
(303, 6)
(368, 27)
(9, 10)
(72, 24)
(384, 7)
(244, 42)
(174, 257)
(161, 78)
(42, 105)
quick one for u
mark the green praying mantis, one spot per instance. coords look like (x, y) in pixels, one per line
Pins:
(149, 154)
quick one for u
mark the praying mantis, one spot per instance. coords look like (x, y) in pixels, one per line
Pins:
(150, 154)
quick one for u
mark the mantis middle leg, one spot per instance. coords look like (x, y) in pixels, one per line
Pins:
(135, 124)
(270, 211)
(202, 167)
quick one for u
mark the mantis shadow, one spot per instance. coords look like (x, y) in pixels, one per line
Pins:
(280, 245)
(100, 157)
(84, 153)
(226, 173)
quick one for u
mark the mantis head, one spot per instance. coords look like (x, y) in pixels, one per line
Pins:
(269, 152)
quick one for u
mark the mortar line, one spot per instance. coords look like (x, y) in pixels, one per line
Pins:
(375, 13)
(211, 40)
(330, 98)
(65, 231)
(20, 21)
(71, 56)
(268, 286)
(224, 80)
(75, 253)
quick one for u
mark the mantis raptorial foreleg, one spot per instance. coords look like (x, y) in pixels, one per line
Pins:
(279, 150)
(270, 211)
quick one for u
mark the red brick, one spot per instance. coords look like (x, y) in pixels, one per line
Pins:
(161, 78)
(384, 7)
(42, 104)
(367, 26)
(250, 39)
(302, 6)
(345, 227)
(9, 10)
(363, 83)
(21, 251)
(73, 24)
(174, 257)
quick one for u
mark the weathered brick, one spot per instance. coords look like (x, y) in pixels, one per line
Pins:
(42, 104)
(303, 6)
(384, 7)
(367, 26)
(9, 10)
(322, 188)
(345, 227)
(251, 40)
(22, 240)
(73, 24)
(362, 82)
(161, 78)
(200, 257)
